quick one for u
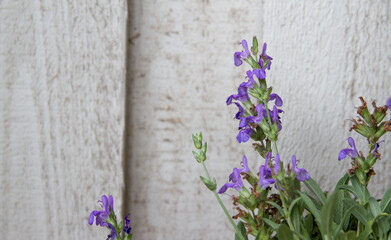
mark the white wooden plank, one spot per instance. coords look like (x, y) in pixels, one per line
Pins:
(62, 122)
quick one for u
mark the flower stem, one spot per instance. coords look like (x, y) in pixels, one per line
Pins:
(223, 207)
(275, 147)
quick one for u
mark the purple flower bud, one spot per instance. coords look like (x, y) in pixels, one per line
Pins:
(265, 57)
(347, 151)
(127, 227)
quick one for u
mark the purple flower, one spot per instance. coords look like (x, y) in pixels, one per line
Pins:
(260, 73)
(265, 57)
(241, 96)
(113, 233)
(264, 179)
(239, 114)
(275, 117)
(388, 103)
(277, 166)
(274, 96)
(244, 164)
(347, 151)
(238, 56)
(101, 216)
(244, 134)
(235, 180)
(251, 82)
(301, 174)
(261, 114)
(265, 173)
(127, 227)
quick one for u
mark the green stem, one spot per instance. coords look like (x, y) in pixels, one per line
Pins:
(268, 115)
(285, 207)
(275, 146)
(223, 207)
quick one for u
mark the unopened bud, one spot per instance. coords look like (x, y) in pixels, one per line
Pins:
(254, 48)
(197, 139)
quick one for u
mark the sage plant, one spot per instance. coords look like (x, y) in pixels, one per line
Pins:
(269, 201)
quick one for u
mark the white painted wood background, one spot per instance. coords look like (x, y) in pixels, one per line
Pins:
(91, 105)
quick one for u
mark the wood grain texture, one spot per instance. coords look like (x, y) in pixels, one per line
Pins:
(325, 56)
(62, 97)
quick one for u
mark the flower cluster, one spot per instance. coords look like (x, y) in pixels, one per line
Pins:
(255, 119)
(107, 218)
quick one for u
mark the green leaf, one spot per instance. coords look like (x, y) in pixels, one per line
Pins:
(359, 211)
(242, 230)
(269, 222)
(368, 227)
(310, 205)
(309, 223)
(284, 233)
(315, 189)
(338, 211)
(326, 215)
(350, 235)
(342, 181)
(374, 206)
(293, 204)
(345, 219)
(295, 217)
(359, 189)
(348, 188)
(385, 204)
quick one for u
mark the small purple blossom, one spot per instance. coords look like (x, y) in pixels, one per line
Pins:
(347, 151)
(260, 73)
(265, 173)
(244, 134)
(264, 181)
(388, 103)
(239, 115)
(301, 174)
(275, 117)
(241, 96)
(274, 96)
(251, 82)
(244, 164)
(239, 56)
(101, 216)
(235, 180)
(265, 57)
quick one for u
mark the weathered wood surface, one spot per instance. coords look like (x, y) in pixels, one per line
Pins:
(326, 54)
(62, 70)
(62, 92)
